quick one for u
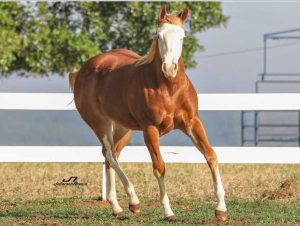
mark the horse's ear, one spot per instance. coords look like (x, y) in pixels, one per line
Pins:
(162, 13)
(184, 14)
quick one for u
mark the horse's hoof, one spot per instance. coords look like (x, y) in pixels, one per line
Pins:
(119, 214)
(170, 218)
(221, 216)
(135, 208)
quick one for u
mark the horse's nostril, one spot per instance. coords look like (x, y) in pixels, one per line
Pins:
(169, 70)
(176, 67)
(163, 68)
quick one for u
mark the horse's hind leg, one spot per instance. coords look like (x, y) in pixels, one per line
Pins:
(111, 195)
(199, 138)
(112, 147)
(121, 139)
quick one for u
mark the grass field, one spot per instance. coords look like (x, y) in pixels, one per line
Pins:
(255, 194)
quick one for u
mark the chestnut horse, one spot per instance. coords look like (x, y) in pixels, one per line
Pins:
(119, 91)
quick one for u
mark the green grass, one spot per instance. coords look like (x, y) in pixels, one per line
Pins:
(77, 211)
(27, 191)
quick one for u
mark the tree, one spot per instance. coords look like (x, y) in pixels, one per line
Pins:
(58, 37)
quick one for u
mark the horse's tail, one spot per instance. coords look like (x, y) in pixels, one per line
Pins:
(72, 80)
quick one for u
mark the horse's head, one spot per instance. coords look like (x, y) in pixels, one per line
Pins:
(170, 39)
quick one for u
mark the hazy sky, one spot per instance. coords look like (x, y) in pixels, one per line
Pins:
(228, 73)
(248, 22)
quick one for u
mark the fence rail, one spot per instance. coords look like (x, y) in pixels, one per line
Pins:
(213, 102)
(139, 154)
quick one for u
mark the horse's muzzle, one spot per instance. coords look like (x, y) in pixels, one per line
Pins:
(169, 70)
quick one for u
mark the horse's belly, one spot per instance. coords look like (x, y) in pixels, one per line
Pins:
(120, 114)
(128, 122)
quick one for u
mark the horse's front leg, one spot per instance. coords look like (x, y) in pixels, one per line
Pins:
(196, 132)
(151, 136)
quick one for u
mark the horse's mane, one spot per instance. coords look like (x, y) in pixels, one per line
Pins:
(148, 58)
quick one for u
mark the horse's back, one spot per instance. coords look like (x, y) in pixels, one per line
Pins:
(85, 80)
(111, 60)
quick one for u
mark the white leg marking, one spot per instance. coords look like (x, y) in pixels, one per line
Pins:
(112, 194)
(133, 199)
(219, 192)
(164, 199)
(129, 189)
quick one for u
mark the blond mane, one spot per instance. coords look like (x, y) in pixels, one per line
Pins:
(148, 58)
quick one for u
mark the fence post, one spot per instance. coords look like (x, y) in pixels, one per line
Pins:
(103, 195)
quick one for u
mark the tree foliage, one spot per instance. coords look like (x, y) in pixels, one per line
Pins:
(57, 37)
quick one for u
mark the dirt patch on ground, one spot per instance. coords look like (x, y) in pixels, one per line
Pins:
(90, 203)
(289, 188)
(107, 204)
(151, 204)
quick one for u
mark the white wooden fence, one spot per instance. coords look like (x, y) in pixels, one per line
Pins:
(223, 102)
(171, 154)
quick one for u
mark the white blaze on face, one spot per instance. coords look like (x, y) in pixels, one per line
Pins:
(170, 40)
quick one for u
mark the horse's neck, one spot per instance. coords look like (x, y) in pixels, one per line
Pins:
(174, 84)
